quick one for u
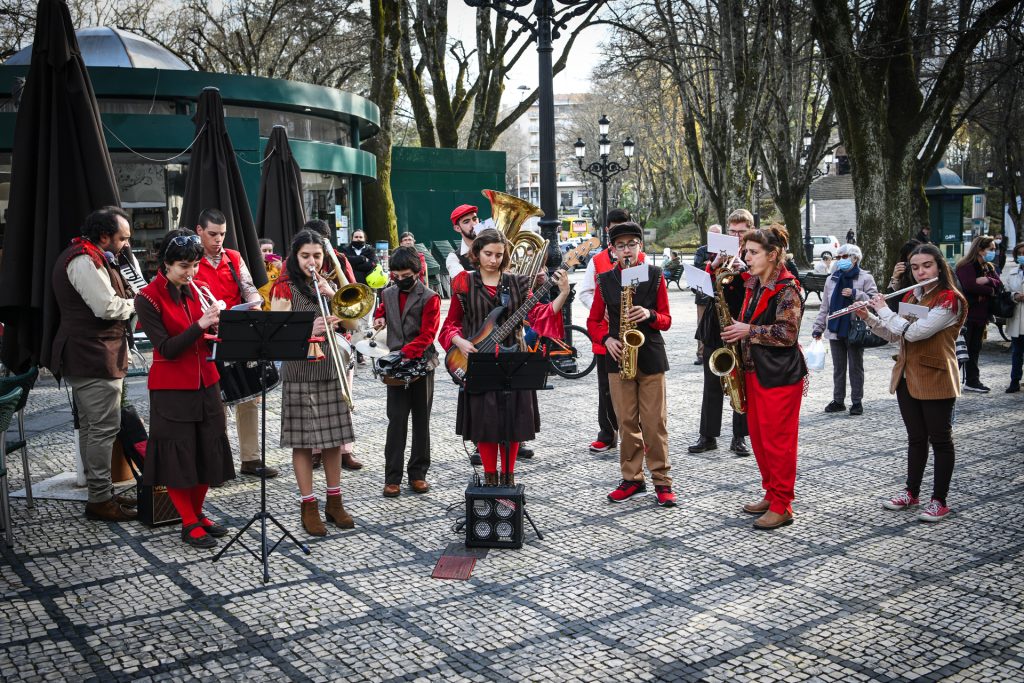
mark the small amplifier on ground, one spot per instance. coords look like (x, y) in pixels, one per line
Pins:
(494, 515)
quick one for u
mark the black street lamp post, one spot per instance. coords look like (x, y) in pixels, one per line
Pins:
(604, 170)
(758, 189)
(816, 173)
(544, 23)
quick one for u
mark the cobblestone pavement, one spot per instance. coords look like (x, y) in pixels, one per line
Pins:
(631, 591)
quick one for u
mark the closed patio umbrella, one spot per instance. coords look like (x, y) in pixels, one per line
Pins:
(280, 212)
(214, 182)
(61, 172)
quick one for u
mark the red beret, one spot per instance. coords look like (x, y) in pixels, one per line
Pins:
(461, 211)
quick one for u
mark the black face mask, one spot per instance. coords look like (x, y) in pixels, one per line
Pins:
(358, 245)
(405, 283)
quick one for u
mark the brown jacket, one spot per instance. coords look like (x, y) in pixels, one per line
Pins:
(87, 346)
(930, 364)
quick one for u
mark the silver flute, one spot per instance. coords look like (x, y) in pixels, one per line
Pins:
(862, 304)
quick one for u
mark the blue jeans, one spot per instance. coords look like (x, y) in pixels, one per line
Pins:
(1016, 358)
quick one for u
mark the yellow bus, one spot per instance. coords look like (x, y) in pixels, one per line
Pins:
(575, 227)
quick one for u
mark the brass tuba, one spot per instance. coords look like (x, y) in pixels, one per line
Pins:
(509, 214)
(725, 361)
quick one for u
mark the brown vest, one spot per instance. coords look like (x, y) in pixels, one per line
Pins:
(930, 364)
(87, 346)
(478, 304)
(405, 326)
(304, 370)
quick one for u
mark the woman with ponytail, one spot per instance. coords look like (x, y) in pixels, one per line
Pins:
(773, 370)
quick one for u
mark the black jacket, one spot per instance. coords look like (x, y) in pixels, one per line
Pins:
(362, 264)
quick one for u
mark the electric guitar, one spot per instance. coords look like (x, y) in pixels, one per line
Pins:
(488, 338)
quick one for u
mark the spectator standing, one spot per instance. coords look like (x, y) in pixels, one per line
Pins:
(849, 283)
(924, 235)
(407, 239)
(851, 236)
(977, 274)
(1013, 280)
(361, 256)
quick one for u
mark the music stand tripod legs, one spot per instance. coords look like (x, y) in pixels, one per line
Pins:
(263, 516)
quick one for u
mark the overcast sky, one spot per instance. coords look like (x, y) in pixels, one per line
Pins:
(574, 78)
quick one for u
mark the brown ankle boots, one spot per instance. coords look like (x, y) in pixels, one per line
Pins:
(311, 521)
(335, 512)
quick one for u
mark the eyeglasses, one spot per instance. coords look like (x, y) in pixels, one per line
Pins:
(622, 246)
(185, 240)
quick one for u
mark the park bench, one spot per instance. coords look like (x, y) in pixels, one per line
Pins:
(813, 282)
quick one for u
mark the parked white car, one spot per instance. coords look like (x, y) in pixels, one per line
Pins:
(824, 244)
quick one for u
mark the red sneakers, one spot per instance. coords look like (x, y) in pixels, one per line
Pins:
(933, 512)
(627, 489)
(666, 498)
(601, 447)
(901, 502)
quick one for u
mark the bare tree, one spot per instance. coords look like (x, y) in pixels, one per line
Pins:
(897, 70)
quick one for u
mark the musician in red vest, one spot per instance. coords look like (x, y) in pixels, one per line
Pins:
(602, 262)
(90, 349)
(229, 280)
(188, 448)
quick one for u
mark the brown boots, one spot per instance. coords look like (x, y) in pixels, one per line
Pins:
(490, 478)
(311, 521)
(502, 479)
(335, 512)
(110, 511)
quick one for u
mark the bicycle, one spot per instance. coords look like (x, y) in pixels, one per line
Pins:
(568, 359)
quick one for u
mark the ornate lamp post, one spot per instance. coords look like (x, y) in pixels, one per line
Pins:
(817, 173)
(544, 23)
(758, 188)
(603, 169)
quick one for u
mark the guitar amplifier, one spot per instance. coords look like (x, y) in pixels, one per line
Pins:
(494, 515)
(155, 506)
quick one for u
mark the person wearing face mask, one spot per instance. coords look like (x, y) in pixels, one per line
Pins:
(411, 312)
(1013, 279)
(977, 275)
(1000, 253)
(848, 283)
(361, 257)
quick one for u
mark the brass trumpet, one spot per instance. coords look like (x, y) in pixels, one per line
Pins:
(206, 297)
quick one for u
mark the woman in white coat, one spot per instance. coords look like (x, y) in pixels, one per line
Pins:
(1013, 280)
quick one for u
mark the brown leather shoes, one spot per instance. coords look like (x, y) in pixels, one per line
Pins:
(335, 512)
(758, 508)
(392, 490)
(419, 486)
(349, 462)
(311, 521)
(127, 501)
(773, 520)
(109, 511)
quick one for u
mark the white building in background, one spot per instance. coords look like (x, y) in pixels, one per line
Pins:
(573, 194)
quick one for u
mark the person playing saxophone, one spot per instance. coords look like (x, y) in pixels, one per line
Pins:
(636, 373)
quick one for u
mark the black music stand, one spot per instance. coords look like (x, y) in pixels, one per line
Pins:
(506, 373)
(265, 337)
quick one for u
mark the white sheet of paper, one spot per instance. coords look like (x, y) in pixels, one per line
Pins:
(723, 244)
(698, 279)
(635, 274)
(913, 310)
(249, 306)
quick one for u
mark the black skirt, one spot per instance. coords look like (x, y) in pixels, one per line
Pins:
(188, 441)
(490, 418)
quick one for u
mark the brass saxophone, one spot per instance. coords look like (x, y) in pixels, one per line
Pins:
(632, 339)
(725, 362)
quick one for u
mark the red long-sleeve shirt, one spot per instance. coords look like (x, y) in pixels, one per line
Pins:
(430, 320)
(597, 327)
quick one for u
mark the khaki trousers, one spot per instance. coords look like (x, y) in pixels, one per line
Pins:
(99, 420)
(641, 401)
(247, 425)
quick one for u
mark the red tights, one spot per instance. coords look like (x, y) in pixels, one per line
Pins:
(489, 456)
(189, 504)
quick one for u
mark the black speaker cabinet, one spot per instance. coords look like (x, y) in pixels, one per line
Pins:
(494, 515)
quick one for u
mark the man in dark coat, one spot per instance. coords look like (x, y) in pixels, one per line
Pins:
(361, 256)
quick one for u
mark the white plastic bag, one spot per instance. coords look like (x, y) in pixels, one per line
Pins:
(815, 355)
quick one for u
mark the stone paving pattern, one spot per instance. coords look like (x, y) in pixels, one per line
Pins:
(849, 592)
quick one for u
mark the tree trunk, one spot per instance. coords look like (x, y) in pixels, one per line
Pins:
(378, 203)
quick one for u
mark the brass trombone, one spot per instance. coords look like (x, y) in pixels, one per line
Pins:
(341, 368)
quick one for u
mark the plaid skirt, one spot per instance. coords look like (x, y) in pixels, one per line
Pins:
(313, 415)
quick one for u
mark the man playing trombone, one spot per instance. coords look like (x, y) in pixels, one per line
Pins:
(229, 281)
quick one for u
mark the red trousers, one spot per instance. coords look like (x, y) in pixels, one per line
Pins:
(773, 417)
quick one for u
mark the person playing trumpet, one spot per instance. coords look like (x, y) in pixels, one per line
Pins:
(188, 449)
(313, 414)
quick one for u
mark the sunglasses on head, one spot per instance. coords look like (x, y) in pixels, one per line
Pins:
(185, 240)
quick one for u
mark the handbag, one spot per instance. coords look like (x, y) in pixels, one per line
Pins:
(1003, 305)
(861, 336)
